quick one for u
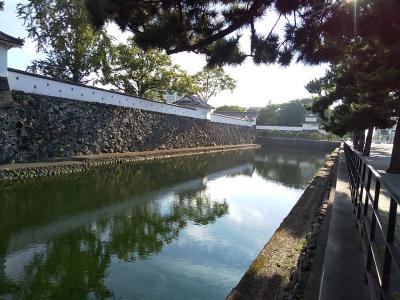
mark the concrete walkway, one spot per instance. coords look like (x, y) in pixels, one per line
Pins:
(343, 273)
(380, 159)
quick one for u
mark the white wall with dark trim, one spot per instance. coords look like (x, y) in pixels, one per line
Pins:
(37, 84)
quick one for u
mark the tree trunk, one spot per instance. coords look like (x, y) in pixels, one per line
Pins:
(367, 147)
(395, 159)
(361, 141)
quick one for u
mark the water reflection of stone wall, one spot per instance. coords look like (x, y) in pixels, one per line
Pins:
(58, 236)
(41, 127)
(109, 212)
(108, 186)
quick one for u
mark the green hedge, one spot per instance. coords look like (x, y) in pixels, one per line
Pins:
(312, 135)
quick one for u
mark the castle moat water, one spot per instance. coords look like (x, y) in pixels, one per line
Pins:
(178, 228)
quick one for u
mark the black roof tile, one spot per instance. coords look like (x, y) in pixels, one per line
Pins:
(10, 39)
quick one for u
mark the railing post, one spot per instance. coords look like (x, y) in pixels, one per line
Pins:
(378, 271)
(355, 168)
(367, 192)
(357, 175)
(362, 187)
(373, 222)
(389, 240)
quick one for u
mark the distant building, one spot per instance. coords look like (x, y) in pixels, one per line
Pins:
(172, 97)
(247, 115)
(6, 42)
(196, 103)
(310, 122)
(193, 102)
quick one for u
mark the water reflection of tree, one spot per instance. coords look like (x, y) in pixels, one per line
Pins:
(288, 167)
(74, 264)
(39, 201)
(199, 208)
(145, 230)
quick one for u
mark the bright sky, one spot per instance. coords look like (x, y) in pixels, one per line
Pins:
(256, 85)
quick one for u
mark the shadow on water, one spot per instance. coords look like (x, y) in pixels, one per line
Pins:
(58, 236)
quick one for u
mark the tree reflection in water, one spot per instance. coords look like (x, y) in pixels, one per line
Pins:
(291, 168)
(62, 237)
(72, 263)
(145, 230)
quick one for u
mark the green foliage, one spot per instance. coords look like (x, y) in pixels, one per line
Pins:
(150, 74)
(210, 81)
(314, 31)
(326, 29)
(265, 49)
(205, 27)
(311, 135)
(254, 109)
(268, 115)
(360, 92)
(224, 52)
(286, 114)
(61, 29)
(230, 108)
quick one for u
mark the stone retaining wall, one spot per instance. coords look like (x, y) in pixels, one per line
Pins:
(40, 127)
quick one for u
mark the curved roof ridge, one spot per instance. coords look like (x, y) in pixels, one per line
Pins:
(8, 39)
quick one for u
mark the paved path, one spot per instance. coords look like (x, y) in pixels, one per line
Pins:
(343, 273)
(380, 160)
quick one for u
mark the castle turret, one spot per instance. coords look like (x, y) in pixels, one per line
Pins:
(6, 42)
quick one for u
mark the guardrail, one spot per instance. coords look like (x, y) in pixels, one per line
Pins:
(377, 229)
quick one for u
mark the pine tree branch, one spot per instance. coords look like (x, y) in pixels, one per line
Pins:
(256, 9)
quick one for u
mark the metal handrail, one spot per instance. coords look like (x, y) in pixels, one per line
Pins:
(360, 177)
(379, 176)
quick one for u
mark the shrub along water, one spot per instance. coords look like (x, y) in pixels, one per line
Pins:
(312, 135)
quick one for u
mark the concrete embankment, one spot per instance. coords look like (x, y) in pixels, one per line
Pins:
(74, 164)
(281, 270)
(297, 143)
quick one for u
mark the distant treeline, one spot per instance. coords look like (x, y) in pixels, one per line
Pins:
(286, 114)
